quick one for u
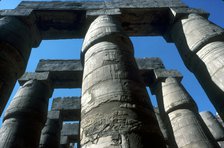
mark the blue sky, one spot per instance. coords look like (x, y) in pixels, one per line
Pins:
(144, 47)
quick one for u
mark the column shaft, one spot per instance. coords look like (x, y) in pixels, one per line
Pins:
(201, 46)
(50, 136)
(25, 116)
(188, 128)
(116, 111)
(214, 126)
(166, 128)
(51, 133)
(64, 142)
(15, 47)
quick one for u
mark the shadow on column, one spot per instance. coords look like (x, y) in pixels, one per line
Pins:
(201, 46)
(25, 116)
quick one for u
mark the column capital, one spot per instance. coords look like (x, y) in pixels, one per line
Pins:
(27, 18)
(43, 77)
(105, 28)
(160, 75)
(180, 13)
(15, 48)
(15, 32)
(200, 44)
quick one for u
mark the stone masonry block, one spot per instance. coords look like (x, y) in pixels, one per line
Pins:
(68, 73)
(54, 115)
(162, 74)
(136, 16)
(64, 73)
(71, 130)
(43, 76)
(68, 106)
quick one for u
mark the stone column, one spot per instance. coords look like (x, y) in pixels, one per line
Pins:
(115, 107)
(201, 46)
(220, 120)
(188, 128)
(64, 142)
(15, 47)
(166, 129)
(214, 126)
(26, 116)
(51, 133)
(71, 130)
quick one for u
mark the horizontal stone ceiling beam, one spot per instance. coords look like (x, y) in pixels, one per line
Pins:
(69, 107)
(68, 73)
(104, 4)
(64, 20)
(71, 130)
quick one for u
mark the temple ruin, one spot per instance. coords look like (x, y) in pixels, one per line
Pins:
(114, 109)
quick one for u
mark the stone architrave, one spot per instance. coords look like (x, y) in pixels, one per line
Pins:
(189, 129)
(201, 46)
(115, 107)
(68, 106)
(15, 47)
(70, 135)
(26, 116)
(71, 130)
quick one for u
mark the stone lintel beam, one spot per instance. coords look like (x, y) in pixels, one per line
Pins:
(16, 12)
(95, 13)
(100, 4)
(138, 18)
(75, 65)
(53, 114)
(68, 73)
(149, 63)
(59, 65)
(43, 76)
(64, 73)
(162, 74)
(71, 130)
(69, 107)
